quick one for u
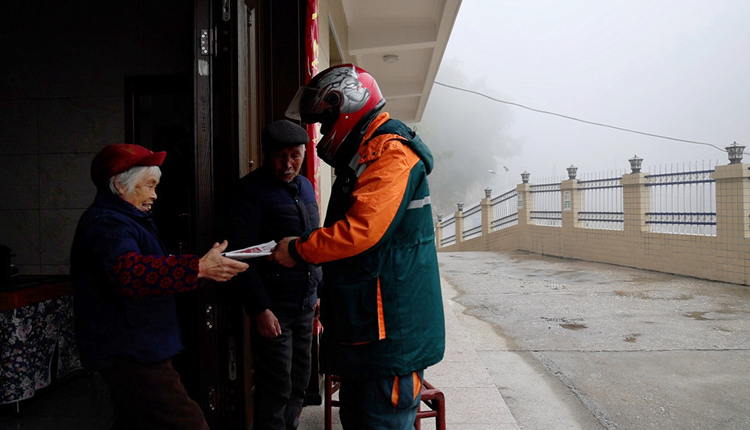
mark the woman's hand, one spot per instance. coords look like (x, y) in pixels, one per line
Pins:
(218, 268)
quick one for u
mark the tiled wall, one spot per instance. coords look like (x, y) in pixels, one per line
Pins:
(62, 99)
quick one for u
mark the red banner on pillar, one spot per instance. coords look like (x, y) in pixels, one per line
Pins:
(311, 69)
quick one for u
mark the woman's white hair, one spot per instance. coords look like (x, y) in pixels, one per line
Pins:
(129, 178)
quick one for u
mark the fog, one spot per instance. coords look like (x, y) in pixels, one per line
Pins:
(678, 69)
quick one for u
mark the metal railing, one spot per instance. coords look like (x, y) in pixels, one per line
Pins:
(472, 222)
(602, 203)
(547, 205)
(449, 231)
(504, 210)
(683, 202)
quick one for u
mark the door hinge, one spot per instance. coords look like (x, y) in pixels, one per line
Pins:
(210, 318)
(213, 399)
(208, 41)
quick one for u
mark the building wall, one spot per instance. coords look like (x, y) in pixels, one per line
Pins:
(62, 100)
(723, 257)
(331, 21)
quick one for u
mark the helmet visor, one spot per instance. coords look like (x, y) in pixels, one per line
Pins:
(309, 103)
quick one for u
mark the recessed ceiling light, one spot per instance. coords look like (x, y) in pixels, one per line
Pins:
(390, 59)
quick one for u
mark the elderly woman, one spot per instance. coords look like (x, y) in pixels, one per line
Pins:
(126, 322)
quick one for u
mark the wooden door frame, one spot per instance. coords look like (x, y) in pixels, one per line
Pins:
(280, 42)
(204, 46)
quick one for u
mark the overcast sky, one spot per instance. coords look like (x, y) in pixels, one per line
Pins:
(667, 67)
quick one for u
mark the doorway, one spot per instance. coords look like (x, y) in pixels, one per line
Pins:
(159, 114)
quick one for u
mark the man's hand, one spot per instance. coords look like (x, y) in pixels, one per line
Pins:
(268, 324)
(215, 267)
(280, 253)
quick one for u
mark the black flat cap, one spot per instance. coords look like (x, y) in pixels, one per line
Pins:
(282, 134)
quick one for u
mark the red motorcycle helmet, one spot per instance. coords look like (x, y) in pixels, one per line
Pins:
(343, 99)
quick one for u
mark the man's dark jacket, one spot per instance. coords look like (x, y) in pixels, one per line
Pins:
(267, 208)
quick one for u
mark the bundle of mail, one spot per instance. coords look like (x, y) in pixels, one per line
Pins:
(252, 251)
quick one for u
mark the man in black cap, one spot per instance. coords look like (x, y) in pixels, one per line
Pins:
(271, 203)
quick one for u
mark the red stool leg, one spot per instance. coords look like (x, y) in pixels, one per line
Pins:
(332, 383)
(435, 400)
(328, 398)
(440, 418)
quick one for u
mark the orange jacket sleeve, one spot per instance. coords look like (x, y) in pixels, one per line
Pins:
(378, 199)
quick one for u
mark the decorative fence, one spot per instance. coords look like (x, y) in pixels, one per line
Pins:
(472, 222)
(602, 204)
(449, 230)
(683, 202)
(547, 205)
(693, 222)
(504, 210)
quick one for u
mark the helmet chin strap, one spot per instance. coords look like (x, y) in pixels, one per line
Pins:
(347, 152)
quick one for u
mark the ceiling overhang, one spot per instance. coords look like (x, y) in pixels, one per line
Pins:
(401, 43)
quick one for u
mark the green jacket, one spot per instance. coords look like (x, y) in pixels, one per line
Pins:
(381, 306)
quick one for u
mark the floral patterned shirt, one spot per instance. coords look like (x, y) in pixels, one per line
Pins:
(136, 275)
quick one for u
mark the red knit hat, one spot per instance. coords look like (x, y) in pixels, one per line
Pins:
(118, 157)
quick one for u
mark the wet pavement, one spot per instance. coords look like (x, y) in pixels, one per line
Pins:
(578, 345)
(537, 342)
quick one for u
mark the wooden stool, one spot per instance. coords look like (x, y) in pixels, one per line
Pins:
(435, 400)
(431, 396)
(332, 384)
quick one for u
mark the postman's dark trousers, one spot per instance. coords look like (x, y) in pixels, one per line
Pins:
(387, 403)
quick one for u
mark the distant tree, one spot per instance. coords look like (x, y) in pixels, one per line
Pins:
(468, 137)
